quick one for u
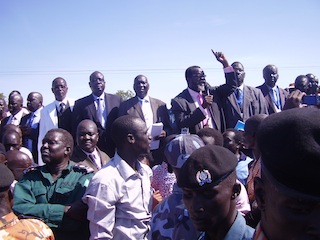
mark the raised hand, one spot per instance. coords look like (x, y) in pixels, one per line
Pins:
(221, 58)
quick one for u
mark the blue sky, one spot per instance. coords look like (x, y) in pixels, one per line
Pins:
(41, 40)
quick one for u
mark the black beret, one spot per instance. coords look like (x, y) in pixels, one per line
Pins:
(179, 149)
(6, 178)
(289, 142)
(207, 166)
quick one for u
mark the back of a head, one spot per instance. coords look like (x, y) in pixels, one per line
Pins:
(211, 133)
(17, 162)
(289, 142)
(252, 124)
(180, 147)
(6, 178)
(122, 126)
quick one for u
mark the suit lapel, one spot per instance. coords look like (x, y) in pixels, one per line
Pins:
(154, 108)
(234, 103)
(137, 107)
(53, 114)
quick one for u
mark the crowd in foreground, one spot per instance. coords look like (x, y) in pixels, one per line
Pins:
(225, 162)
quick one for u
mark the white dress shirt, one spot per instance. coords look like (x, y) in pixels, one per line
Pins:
(119, 201)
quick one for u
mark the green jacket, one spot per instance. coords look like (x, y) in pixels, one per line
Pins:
(38, 195)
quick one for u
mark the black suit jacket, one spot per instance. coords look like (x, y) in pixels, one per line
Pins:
(33, 136)
(188, 116)
(160, 112)
(270, 105)
(78, 156)
(253, 103)
(84, 108)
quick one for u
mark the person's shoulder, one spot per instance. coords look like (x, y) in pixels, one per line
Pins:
(81, 168)
(39, 226)
(84, 99)
(33, 170)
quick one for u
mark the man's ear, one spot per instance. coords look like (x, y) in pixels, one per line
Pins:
(130, 138)
(236, 190)
(259, 193)
(68, 150)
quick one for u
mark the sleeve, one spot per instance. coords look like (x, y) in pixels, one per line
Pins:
(101, 200)
(184, 117)
(32, 201)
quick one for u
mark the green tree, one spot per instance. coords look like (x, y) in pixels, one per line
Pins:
(2, 96)
(125, 94)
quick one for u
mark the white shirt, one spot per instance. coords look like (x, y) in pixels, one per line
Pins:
(119, 201)
(16, 119)
(96, 156)
(146, 110)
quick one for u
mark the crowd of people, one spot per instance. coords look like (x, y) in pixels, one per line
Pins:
(224, 162)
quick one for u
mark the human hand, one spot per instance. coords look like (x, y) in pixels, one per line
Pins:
(221, 58)
(163, 134)
(294, 100)
(207, 101)
(156, 198)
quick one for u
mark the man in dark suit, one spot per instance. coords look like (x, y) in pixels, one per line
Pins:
(16, 109)
(275, 97)
(150, 110)
(100, 107)
(30, 123)
(86, 152)
(199, 105)
(244, 102)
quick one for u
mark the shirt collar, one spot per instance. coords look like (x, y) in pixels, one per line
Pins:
(194, 94)
(65, 101)
(101, 96)
(125, 170)
(145, 99)
(37, 112)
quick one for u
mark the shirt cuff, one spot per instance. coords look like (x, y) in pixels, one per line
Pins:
(228, 69)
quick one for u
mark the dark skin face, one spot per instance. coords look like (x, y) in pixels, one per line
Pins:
(15, 103)
(97, 83)
(141, 86)
(212, 209)
(2, 105)
(11, 141)
(59, 89)
(313, 84)
(302, 83)
(141, 138)
(54, 150)
(229, 142)
(239, 71)
(87, 135)
(34, 101)
(270, 75)
(197, 80)
(286, 216)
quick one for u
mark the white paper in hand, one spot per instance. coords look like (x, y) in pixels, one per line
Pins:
(155, 130)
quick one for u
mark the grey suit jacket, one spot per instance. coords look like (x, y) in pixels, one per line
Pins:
(78, 156)
(160, 112)
(270, 105)
(253, 103)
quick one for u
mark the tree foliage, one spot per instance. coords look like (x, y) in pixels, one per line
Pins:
(125, 95)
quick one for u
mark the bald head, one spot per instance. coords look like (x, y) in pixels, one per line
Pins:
(11, 140)
(17, 162)
(87, 135)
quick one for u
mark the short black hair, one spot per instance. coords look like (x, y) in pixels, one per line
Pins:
(67, 137)
(211, 132)
(121, 127)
